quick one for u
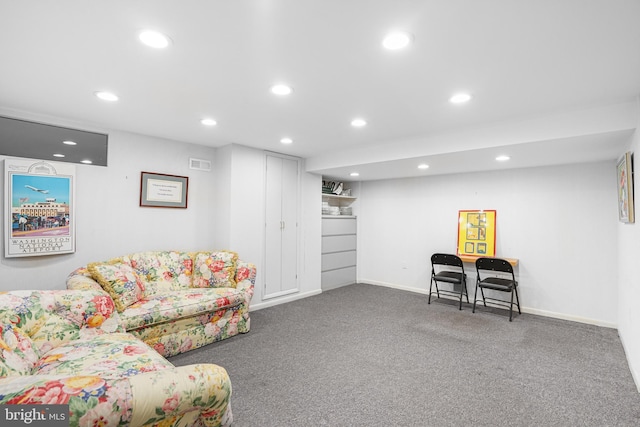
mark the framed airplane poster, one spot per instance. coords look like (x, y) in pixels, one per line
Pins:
(39, 208)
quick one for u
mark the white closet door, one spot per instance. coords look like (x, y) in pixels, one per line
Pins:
(290, 226)
(273, 224)
(281, 233)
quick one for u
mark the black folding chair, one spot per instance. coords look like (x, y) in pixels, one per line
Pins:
(487, 266)
(448, 268)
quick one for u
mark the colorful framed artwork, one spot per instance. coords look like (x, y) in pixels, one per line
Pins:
(477, 232)
(163, 191)
(40, 200)
(625, 189)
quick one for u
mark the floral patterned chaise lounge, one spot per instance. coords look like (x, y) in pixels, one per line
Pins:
(68, 347)
(175, 301)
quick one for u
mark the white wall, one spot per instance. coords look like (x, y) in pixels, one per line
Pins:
(629, 277)
(240, 222)
(225, 211)
(311, 233)
(222, 184)
(560, 222)
(109, 221)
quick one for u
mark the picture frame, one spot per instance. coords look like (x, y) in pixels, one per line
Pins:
(477, 233)
(624, 168)
(40, 208)
(158, 190)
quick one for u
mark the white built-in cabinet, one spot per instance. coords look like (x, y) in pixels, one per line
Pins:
(338, 251)
(339, 237)
(281, 225)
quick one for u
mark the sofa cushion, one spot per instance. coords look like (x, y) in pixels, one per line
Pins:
(214, 269)
(168, 307)
(188, 333)
(105, 356)
(120, 281)
(18, 354)
(162, 271)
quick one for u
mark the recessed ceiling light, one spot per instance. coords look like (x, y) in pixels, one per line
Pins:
(358, 123)
(460, 98)
(396, 40)
(58, 155)
(423, 166)
(69, 142)
(208, 122)
(281, 89)
(354, 174)
(502, 158)
(154, 39)
(286, 140)
(107, 96)
(86, 162)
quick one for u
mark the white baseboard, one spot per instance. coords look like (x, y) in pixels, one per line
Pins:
(563, 316)
(278, 301)
(524, 309)
(529, 310)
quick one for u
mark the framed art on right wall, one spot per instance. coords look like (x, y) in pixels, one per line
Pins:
(477, 233)
(625, 188)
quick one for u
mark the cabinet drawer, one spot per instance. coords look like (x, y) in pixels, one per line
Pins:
(338, 243)
(338, 260)
(333, 226)
(335, 278)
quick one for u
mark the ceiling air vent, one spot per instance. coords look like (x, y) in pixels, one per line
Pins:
(200, 164)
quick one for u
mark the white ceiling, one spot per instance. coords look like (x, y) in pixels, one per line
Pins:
(530, 65)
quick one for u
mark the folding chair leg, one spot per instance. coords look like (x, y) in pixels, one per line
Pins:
(431, 284)
(466, 292)
(461, 290)
(518, 300)
(475, 296)
(484, 301)
(511, 307)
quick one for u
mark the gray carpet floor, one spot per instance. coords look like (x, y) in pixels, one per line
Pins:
(365, 355)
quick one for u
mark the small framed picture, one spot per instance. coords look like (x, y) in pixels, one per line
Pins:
(159, 190)
(625, 189)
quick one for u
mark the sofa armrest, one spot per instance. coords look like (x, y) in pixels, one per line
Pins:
(92, 400)
(92, 310)
(245, 278)
(201, 391)
(53, 317)
(80, 279)
(189, 392)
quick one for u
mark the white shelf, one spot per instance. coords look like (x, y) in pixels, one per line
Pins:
(334, 200)
(337, 197)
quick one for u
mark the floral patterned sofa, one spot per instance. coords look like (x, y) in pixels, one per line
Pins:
(68, 347)
(175, 301)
